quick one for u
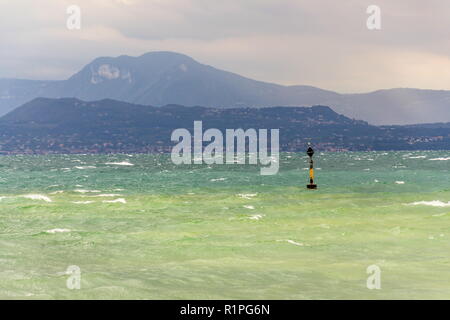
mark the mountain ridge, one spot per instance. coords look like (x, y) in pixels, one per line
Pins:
(162, 77)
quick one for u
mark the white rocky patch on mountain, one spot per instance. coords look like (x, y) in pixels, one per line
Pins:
(108, 72)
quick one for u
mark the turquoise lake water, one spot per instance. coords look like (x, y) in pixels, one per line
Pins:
(139, 227)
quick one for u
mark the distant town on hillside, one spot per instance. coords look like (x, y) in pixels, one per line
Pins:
(69, 125)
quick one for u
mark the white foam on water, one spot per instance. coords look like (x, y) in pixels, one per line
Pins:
(218, 179)
(120, 200)
(417, 157)
(37, 197)
(440, 159)
(57, 192)
(83, 202)
(105, 195)
(58, 230)
(433, 203)
(295, 243)
(123, 163)
(256, 217)
(86, 191)
(400, 182)
(249, 207)
(85, 167)
(247, 195)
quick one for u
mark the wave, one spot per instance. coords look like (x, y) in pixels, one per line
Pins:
(123, 163)
(440, 159)
(120, 200)
(292, 242)
(433, 203)
(86, 191)
(57, 192)
(247, 195)
(58, 230)
(37, 197)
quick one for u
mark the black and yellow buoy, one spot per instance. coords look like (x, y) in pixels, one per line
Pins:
(310, 153)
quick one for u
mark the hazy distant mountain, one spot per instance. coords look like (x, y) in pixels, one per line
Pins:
(14, 92)
(396, 106)
(160, 78)
(70, 125)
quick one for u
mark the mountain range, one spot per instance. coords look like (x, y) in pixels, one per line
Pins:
(162, 78)
(70, 125)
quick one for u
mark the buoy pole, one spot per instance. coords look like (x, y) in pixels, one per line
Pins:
(310, 153)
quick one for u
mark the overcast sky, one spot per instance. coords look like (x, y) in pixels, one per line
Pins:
(324, 43)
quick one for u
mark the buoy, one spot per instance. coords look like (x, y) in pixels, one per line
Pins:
(310, 153)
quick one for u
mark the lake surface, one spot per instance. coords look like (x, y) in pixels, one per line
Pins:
(139, 227)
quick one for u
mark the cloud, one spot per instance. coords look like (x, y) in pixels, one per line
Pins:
(323, 43)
